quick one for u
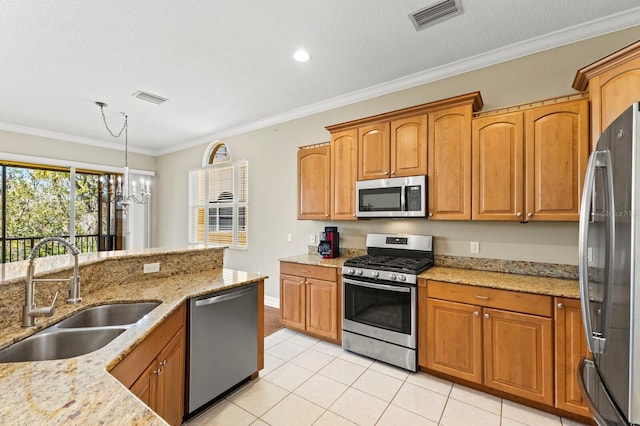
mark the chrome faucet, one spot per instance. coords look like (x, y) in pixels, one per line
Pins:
(29, 310)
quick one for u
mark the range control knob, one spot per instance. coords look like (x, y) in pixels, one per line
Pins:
(392, 276)
(359, 272)
(402, 277)
(350, 271)
(375, 274)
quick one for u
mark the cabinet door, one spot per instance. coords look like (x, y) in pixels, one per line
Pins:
(170, 388)
(409, 146)
(454, 339)
(322, 308)
(449, 159)
(518, 351)
(145, 386)
(556, 158)
(314, 170)
(292, 301)
(571, 346)
(373, 151)
(344, 173)
(498, 167)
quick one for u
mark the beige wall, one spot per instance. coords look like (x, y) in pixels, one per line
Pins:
(272, 167)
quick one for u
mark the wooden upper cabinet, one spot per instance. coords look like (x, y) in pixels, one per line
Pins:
(498, 167)
(314, 179)
(613, 83)
(409, 146)
(556, 159)
(373, 152)
(449, 160)
(344, 173)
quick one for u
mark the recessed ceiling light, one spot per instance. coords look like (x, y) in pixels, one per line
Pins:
(301, 55)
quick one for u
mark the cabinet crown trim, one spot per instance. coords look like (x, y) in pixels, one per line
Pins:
(627, 53)
(473, 98)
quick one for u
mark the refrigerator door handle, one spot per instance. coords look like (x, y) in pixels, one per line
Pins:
(598, 160)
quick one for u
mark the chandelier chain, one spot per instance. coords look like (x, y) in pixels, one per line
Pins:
(125, 128)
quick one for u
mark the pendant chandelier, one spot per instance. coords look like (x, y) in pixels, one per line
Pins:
(124, 191)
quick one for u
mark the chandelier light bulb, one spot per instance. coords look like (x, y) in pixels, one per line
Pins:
(301, 55)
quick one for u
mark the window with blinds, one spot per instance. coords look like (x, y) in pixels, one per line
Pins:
(219, 204)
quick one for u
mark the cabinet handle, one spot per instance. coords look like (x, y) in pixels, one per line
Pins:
(487, 316)
(304, 271)
(163, 363)
(476, 314)
(560, 305)
(529, 214)
(482, 297)
(157, 372)
(518, 214)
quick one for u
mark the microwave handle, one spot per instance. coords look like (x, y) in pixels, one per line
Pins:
(403, 198)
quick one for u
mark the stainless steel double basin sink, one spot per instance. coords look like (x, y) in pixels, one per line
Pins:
(84, 332)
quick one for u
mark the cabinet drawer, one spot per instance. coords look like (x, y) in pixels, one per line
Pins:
(308, 271)
(535, 304)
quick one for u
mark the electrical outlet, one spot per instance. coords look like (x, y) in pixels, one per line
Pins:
(474, 247)
(312, 239)
(289, 237)
(149, 268)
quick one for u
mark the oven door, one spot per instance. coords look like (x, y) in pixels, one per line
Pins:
(385, 312)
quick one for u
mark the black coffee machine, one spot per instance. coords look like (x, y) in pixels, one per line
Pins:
(329, 246)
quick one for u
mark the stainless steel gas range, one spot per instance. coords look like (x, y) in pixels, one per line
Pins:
(380, 298)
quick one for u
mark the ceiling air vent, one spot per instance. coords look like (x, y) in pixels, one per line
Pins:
(433, 14)
(150, 97)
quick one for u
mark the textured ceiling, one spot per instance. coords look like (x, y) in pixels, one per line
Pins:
(226, 65)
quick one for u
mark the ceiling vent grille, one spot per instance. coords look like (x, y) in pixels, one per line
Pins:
(150, 97)
(438, 12)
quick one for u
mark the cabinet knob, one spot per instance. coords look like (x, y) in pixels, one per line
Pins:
(430, 214)
(476, 314)
(392, 172)
(386, 173)
(529, 214)
(487, 316)
(302, 282)
(326, 215)
(163, 363)
(518, 214)
(157, 372)
(354, 215)
(560, 305)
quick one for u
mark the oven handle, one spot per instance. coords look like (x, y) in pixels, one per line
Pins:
(397, 289)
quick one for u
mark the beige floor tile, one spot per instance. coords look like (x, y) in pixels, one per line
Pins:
(328, 348)
(419, 400)
(258, 423)
(477, 398)
(285, 350)
(288, 376)
(270, 363)
(527, 415)
(569, 422)
(312, 360)
(378, 384)
(332, 419)
(359, 407)
(321, 390)
(293, 411)
(258, 396)
(304, 340)
(390, 370)
(458, 413)
(396, 416)
(223, 414)
(508, 422)
(356, 359)
(427, 381)
(342, 371)
(284, 333)
(270, 341)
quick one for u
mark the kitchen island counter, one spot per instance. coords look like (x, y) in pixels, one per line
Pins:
(80, 390)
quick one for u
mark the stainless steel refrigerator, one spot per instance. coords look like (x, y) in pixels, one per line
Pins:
(609, 272)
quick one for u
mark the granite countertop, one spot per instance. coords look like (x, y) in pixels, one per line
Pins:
(559, 287)
(80, 390)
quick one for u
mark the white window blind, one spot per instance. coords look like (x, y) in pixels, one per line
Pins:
(219, 204)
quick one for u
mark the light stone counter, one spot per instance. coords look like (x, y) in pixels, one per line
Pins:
(80, 390)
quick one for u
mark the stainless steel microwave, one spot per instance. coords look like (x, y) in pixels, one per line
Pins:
(393, 197)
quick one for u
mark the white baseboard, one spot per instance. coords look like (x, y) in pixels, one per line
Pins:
(273, 302)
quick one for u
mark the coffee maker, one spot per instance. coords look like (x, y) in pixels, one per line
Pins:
(329, 246)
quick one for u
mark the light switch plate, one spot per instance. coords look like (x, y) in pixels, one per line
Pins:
(149, 268)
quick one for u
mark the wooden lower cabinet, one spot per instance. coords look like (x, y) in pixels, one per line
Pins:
(310, 300)
(474, 334)
(155, 370)
(571, 347)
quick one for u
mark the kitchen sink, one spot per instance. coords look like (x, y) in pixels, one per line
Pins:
(108, 315)
(59, 344)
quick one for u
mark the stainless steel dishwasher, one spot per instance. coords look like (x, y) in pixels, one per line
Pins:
(222, 343)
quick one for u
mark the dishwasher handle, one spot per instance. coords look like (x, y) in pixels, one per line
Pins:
(222, 298)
